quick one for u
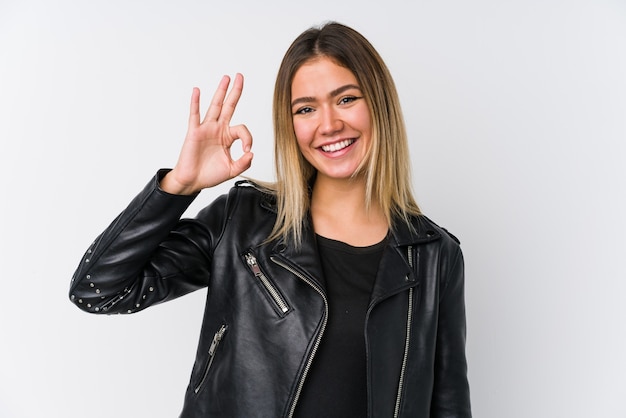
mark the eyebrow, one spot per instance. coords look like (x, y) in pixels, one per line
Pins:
(333, 93)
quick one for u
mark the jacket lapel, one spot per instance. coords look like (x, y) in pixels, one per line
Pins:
(396, 273)
(305, 258)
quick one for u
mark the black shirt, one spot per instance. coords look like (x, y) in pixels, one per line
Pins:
(336, 385)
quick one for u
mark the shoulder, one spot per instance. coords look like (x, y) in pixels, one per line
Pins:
(450, 258)
(251, 192)
(420, 229)
(447, 245)
(244, 213)
(445, 234)
(245, 201)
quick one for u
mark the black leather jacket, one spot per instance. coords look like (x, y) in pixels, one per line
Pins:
(266, 307)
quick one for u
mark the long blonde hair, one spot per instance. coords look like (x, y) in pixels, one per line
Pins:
(386, 166)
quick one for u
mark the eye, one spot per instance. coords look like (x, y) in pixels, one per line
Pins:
(303, 110)
(348, 99)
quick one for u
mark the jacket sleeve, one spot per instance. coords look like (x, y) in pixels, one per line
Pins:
(451, 398)
(146, 256)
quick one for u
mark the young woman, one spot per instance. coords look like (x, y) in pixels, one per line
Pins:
(330, 294)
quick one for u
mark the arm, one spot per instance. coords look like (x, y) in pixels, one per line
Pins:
(451, 389)
(147, 255)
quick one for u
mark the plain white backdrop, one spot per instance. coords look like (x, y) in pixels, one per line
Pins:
(516, 112)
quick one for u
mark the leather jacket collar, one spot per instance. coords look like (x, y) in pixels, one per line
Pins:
(395, 272)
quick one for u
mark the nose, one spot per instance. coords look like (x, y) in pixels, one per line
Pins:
(330, 122)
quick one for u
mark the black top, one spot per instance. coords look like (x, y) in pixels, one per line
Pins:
(336, 385)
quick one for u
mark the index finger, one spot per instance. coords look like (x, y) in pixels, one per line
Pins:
(223, 109)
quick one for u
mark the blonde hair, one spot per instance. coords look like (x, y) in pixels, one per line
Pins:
(386, 166)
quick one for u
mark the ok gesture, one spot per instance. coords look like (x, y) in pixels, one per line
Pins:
(205, 159)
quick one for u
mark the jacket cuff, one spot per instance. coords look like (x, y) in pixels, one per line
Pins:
(157, 179)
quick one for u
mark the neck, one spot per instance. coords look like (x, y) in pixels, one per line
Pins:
(339, 212)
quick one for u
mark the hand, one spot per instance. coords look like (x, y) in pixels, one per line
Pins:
(205, 159)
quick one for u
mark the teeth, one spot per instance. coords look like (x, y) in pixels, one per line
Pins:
(337, 145)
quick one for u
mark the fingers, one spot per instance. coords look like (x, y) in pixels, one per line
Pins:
(242, 163)
(232, 99)
(222, 107)
(215, 108)
(194, 108)
(242, 133)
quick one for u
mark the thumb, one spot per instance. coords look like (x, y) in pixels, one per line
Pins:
(242, 163)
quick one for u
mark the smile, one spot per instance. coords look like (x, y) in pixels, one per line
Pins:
(337, 145)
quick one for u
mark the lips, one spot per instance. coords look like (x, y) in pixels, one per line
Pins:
(337, 146)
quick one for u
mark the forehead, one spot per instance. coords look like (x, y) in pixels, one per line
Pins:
(321, 74)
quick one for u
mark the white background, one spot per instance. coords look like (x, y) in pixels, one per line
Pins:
(516, 112)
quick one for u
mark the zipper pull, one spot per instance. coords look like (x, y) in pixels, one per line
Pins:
(216, 339)
(271, 289)
(251, 260)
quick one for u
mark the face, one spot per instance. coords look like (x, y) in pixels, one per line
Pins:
(330, 118)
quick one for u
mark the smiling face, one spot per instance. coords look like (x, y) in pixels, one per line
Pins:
(331, 118)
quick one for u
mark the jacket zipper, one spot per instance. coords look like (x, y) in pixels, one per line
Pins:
(319, 336)
(409, 321)
(278, 299)
(217, 338)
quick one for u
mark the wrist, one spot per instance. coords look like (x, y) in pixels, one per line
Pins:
(171, 185)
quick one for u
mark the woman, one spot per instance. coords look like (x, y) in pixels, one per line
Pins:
(329, 293)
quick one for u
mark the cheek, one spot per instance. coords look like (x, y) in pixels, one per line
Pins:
(362, 120)
(303, 134)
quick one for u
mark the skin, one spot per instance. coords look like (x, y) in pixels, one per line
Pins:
(329, 110)
(205, 159)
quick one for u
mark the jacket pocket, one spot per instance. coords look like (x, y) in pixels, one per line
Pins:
(217, 339)
(278, 301)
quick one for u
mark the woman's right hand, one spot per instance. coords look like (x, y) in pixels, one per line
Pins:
(205, 159)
